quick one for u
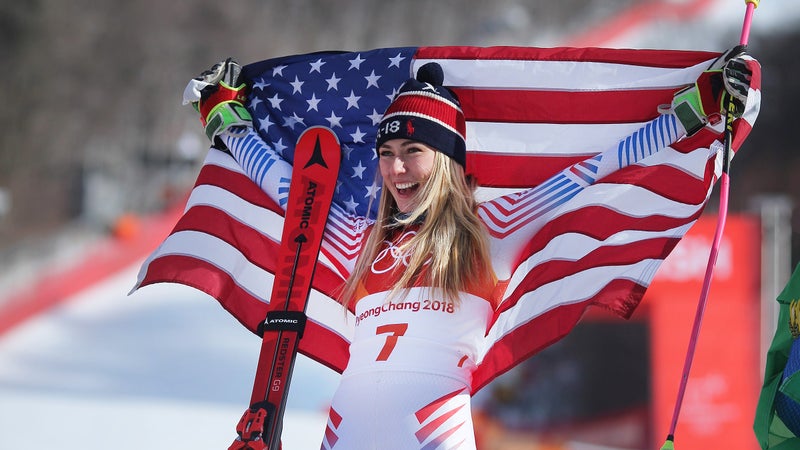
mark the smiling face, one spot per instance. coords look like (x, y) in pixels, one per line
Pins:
(405, 167)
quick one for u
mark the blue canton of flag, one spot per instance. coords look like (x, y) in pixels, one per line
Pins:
(336, 90)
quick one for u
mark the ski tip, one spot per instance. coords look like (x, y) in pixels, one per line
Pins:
(320, 147)
(318, 131)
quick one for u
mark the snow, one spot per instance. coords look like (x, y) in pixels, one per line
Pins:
(166, 367)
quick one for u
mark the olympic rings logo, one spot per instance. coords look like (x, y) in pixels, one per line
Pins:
(391, 255)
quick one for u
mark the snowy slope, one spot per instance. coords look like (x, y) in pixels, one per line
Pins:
(163, 368)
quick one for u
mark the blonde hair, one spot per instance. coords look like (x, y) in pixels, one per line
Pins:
(450, 250)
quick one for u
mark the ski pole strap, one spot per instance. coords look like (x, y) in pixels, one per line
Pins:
(284, 321)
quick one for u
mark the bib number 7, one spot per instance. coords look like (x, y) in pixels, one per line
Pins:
(394, 331)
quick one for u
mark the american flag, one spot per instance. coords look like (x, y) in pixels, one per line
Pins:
(609, 209)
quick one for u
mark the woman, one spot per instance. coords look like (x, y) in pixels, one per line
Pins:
(424, 284)
(407, 381)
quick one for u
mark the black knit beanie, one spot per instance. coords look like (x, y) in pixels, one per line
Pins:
(427, 112)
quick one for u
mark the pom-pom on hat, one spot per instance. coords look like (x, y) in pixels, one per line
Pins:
(427, 112)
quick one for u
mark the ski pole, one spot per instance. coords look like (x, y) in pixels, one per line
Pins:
(669, 444)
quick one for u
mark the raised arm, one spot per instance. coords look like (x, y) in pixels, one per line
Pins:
(228, 125)
(514, 220)
(219, 97)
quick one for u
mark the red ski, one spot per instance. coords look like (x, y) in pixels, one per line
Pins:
(316, 165)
